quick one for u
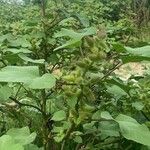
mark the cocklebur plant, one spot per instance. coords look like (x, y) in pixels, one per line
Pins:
(60, 82)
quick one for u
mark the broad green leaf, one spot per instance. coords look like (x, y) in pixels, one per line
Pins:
(69, 44)
(83, 20)
(138, 105)
(27, 59)
(12, 58)
(116, 91)
(5, 93)
(108, 128)
(32, 147)
(22, 135)
(66, 21)
(8, 143)
(59, 137)
(90, 127)
(20, 41)
(78, 139)
(72, 101)
(47, 81)
(70, 33)
(75, 37)
(59, 115)
(101, 114)
(134, 58)
(18, 74)
(119, 83)
(97, 115)
(16, 51)
(137, 54)
(132, 130)
(4, 37)
(106, 115)
(140, 51)
(119, 47)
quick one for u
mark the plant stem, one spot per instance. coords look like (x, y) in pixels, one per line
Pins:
(28, 105)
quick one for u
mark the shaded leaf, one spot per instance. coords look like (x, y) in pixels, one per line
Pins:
(32, 147)
(140, 51)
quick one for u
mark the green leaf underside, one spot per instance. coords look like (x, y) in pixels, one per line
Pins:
(28, 75)
(18, 74)
(132, 130)
(140, 51)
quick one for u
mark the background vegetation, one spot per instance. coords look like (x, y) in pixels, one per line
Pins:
(59, 86)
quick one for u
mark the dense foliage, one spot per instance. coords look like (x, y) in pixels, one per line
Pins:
(58, 85)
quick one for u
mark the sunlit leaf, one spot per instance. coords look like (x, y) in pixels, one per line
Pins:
(46, 81)
(18, 74)
(132, 130)
(22, 135)
(5, 93)
(8, 143)
(27, 59)
(59, 115)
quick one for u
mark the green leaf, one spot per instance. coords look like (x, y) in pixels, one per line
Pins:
(83, 20)
(97, 115)
(47, 81)
(140, 51)
(8, 143)
(32, 147)
(119, 47)
(133, 58)
(5, 93)
(22, 135)
(137, 54)
(69, 33)
(138, 105)
(116, 91)
(75, 36)
(16, 51)
(132, 130)
(27, 59)
(70, 44)
(72, 101)
(59, 115)
(18, 74)
(106, 115)
(108, 128)
(4, 37)
(78, 139)
(20, 41)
